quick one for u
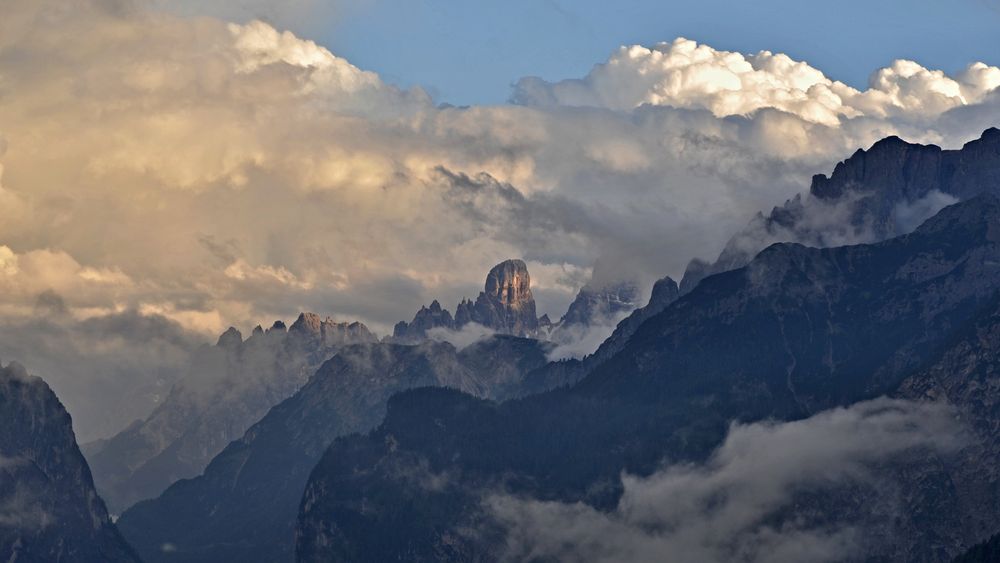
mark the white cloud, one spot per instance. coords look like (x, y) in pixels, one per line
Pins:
(461, 338)
(686, 74)
(745, 502)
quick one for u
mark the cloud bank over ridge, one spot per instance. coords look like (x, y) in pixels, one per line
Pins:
(755, 499)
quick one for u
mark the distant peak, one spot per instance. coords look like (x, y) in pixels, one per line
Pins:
(307, 323)
(990, 136)
(232, 337)
(509, 282)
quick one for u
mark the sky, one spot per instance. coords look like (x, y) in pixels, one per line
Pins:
(471, 52)
(171, 168)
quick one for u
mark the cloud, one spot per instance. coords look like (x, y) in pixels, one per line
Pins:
(686, 74)
(579, 340)
(755, 499)
(909, 215)
(462, 338)
(108, 370)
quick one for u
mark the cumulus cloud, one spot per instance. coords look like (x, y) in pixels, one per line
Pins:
(218, 173)
(686, 74)
(772, 492)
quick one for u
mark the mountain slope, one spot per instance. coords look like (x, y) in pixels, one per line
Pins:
(228, 387)
(986, 552)
(876, 194)
(49, 510)
(797, 331)
(243, 507)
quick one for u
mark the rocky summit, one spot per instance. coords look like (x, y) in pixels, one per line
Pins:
(505, 306)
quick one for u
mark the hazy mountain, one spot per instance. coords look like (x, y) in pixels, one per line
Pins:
(49, 510)
(593, 305)
(796, 331)
(227, 388)
(883, 192)
(243, 508)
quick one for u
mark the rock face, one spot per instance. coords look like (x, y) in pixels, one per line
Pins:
(873, 195)
(796, 331)
(244, 506)
(964, 374)
(505, 306)
(228, 387)
(49, 510)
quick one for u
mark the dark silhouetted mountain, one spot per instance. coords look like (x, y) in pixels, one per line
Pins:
(876, 194)
(49, 509)
(243, 508)
(796, 331)
(965, 374)
(228, 387)
(986, 552)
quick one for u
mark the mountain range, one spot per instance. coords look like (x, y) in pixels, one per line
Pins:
(797, 331)
(227, 388)
(828, 389)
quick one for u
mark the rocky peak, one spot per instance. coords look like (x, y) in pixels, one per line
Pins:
(883, 192)
(507, 305)
(544, 322)
(278, 326)
(891, 165)
(230, 339)
(307, 323)
(665, 291)
(426, 319)
(509, 284)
